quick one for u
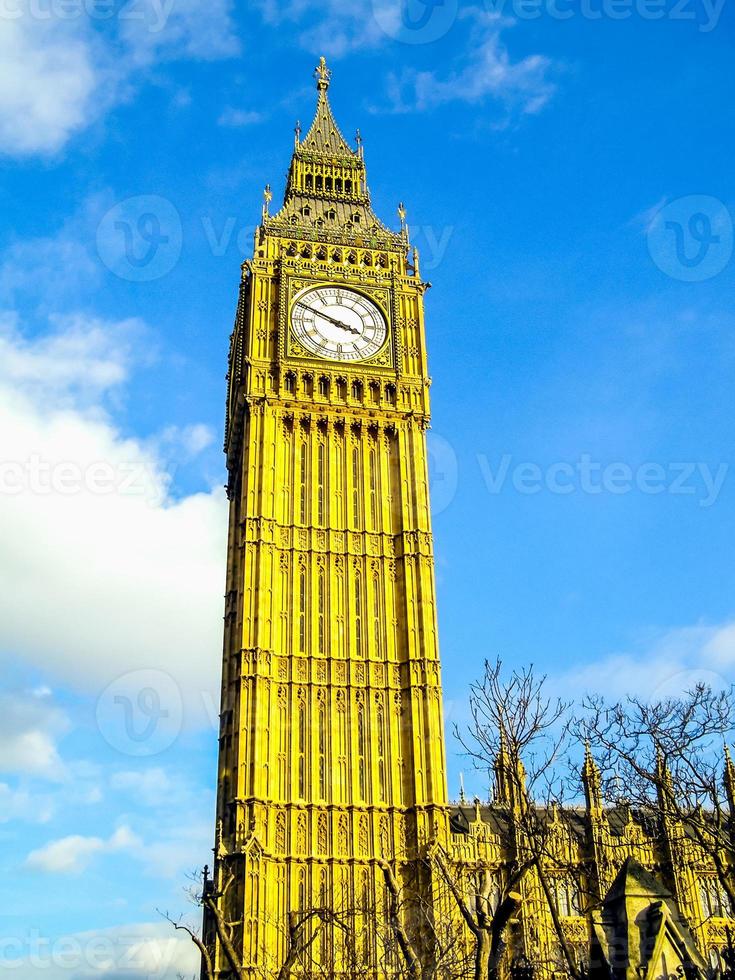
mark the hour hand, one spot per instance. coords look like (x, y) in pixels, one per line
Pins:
(326, 316)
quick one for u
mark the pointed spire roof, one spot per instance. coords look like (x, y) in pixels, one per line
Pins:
(729, 781)
(326, 192)
(591, 779)
(634, 879)
(324, 136)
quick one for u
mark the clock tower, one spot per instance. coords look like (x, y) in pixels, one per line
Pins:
(331, 767)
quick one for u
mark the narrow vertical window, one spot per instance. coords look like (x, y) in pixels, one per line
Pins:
(302, 611)
(285, 618)
(356, 487)
(322, 751)
(340, 610)
(380, 720)
(282, 744)
(303, 476)
(322, 613)
(367, 949)
(322, 480)
(358, 614)
(361, 751)
(326, 930)
(377, 617)
(302, 749)
(373, 490)
(286, 478)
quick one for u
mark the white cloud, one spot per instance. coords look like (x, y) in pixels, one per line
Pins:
(169, 29)
(50, 82)
(138, 951)
(152, 787)
(73, 854)
(79, 358)
(19, 804)
(104, 573)
(60, 74)
(29, 731)
(239, 117)
(664, 665)
(176, 853)
(331, 27)
(489, 73)
(187, 441)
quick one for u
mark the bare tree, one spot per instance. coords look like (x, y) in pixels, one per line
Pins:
(520, 737)
(411, 913)
(665, 759)
(305, 932)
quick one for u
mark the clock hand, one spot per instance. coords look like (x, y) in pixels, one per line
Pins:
(326, 316)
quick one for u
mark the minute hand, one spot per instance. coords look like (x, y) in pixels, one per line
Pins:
(326, 316)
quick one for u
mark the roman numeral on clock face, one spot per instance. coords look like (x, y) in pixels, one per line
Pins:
(338, 323)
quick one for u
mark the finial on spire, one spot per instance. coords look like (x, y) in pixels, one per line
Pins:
(402, 216)
(267, 198)
(297, 132)
(462, 798)
(322, 75)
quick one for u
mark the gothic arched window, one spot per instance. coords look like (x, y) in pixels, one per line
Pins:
(322, 751)
(322, 613)
(358, 614)
(302, 748)
(302, 611)
(361, 751)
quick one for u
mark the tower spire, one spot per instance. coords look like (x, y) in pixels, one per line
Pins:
(664, 782)
(729, 781)
(591, 781)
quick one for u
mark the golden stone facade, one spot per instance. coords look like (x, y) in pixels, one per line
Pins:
(331, 742)
(635, 899)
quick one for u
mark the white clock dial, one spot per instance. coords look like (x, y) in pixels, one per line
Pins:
(338, 324)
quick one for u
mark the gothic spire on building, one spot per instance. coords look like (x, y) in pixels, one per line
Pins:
(326, 186)
(591, 782)
(729, 781)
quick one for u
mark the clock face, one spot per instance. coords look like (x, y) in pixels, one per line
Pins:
(338, 324)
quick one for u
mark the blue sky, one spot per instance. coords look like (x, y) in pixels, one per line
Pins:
(567, 171)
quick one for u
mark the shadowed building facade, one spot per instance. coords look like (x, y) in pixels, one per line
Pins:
(636, 898)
